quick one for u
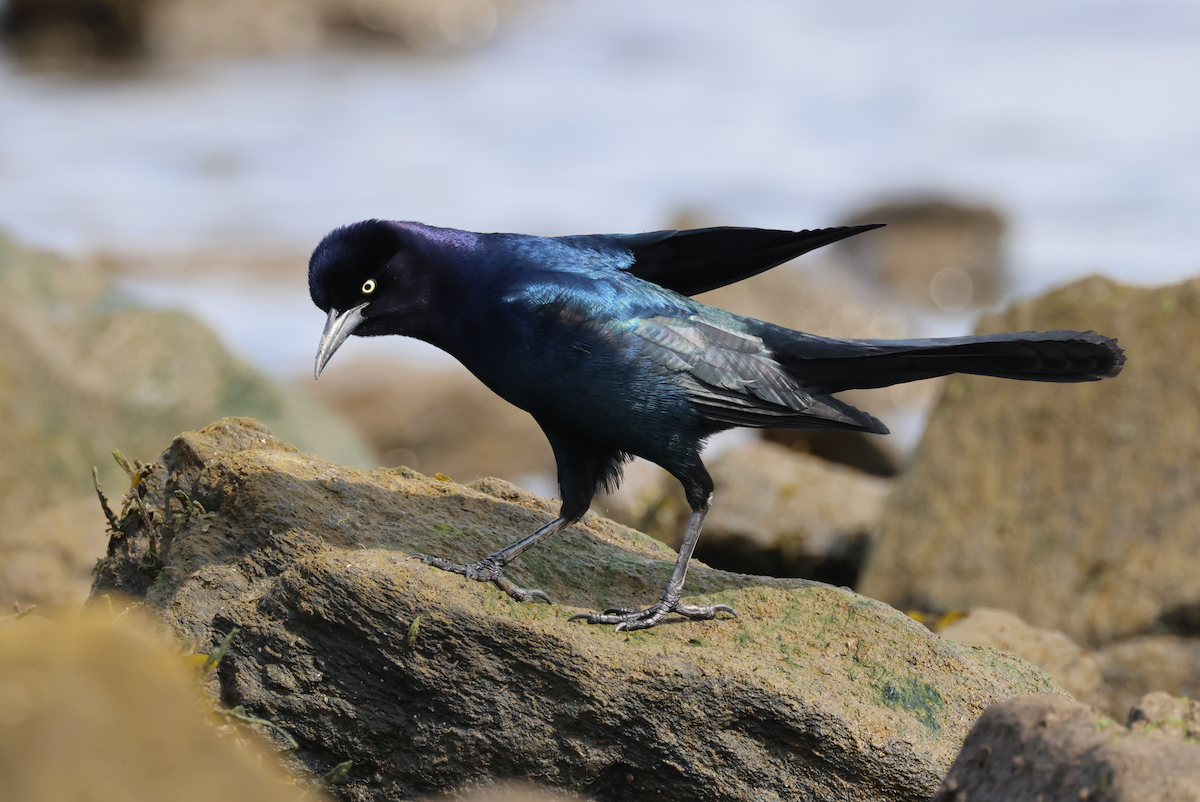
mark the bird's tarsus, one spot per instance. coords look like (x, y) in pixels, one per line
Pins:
(486, 570)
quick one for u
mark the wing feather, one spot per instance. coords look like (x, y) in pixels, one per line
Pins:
(695, 261)
(734, 379)
(721, 358)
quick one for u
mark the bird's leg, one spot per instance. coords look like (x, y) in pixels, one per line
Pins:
(669, 602)
(491, 568)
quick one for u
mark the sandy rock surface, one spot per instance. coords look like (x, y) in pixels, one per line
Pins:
(428, 682)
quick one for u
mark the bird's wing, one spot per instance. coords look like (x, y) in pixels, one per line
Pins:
(734, 379)
(703, 259)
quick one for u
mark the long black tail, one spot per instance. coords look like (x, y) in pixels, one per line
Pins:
(830, 366)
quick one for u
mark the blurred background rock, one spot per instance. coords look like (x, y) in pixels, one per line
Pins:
(105, 707)
(63, 32)
(935, 253)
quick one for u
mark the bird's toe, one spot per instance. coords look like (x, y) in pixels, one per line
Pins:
(487, 570)
(440, 562)
(699, 612)
(628, 619)
(527, 595)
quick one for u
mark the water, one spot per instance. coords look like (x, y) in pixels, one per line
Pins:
(1077, 117)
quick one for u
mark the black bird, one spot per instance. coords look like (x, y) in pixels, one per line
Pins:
(596, 337)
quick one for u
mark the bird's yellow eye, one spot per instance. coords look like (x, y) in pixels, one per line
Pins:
(368, 286)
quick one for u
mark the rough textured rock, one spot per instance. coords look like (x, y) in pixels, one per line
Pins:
(82, 372)
(1071, 666)
(784, 513)
(938, 253)
(1137, 666)
(103, 709)
(508, 792)
(1075, 506)
(429, 683)
(1053, 750)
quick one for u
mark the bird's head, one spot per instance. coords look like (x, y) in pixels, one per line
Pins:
(358, 276)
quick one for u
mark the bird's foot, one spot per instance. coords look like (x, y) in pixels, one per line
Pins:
(486, 570)
(625, 618)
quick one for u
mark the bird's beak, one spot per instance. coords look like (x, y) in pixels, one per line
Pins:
(337, 328)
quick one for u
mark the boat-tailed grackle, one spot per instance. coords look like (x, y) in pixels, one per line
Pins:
(597, 338)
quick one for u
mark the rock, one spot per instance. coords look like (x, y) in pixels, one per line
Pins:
(437, 27)
(1112, 679)
(103, 709)
(66, 30)
(431, 683)
(55, 32)
(783, 513)
(1051, 749)
(936, 253)
(82, 372)
(648, 499)
(221, 28)
(508, 792)
(1075, 506)
(1137, 666)
(1162, 712)
(46, 559)
(1071, 666)
(439, 421)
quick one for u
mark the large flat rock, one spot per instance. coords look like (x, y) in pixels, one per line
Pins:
(428, 682)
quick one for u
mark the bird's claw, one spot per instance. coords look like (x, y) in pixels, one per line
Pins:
(486, 570)
(628, 619)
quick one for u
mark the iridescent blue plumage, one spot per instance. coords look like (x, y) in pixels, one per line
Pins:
(596, 337)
